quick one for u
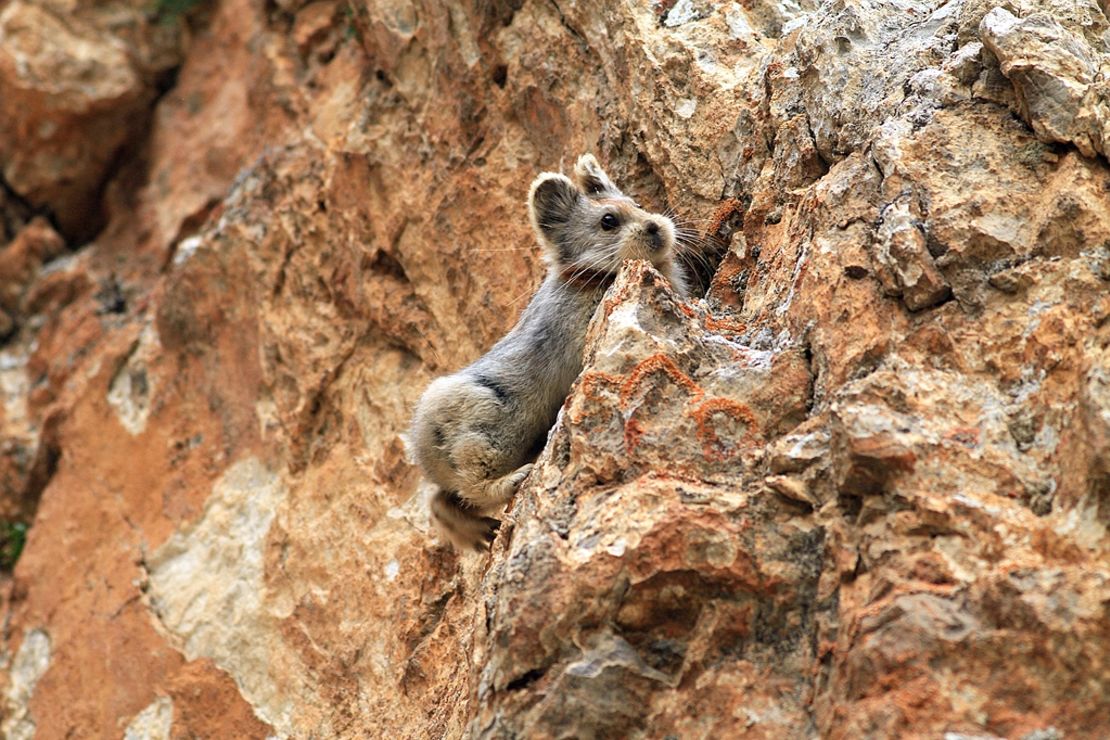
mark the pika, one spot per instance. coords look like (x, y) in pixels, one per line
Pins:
(475, 433)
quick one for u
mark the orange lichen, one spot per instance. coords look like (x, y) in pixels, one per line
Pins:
(662, 364)
(590, 387)
(655, 363)
(632, 435)
(723, 213)
(590, 381)
(712, 445)
(724, 325)
(723, 285)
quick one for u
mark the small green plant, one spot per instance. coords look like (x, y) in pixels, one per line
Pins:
(169, 11)
(350, 16)
(13, 536)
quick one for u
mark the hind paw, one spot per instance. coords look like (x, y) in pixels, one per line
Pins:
(460, 524)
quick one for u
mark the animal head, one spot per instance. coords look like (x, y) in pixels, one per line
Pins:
(588, 225)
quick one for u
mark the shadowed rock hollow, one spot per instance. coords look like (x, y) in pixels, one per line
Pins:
(860, 489)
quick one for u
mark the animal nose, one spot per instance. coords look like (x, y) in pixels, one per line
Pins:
(652, 228)
(654, 236)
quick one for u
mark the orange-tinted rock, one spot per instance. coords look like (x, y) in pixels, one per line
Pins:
(76, 81)
(22, 258)
(860, 490)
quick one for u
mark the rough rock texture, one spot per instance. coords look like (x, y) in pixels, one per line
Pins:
(76, 78)
(860, 489)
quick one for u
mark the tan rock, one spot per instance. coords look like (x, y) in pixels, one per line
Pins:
(825, 501)
(23, 258)
(74, 94)
(1055, 74)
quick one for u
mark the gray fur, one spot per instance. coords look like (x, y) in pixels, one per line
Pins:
(475, 432)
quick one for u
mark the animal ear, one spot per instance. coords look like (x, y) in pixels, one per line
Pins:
(551, 201)
(592, 179)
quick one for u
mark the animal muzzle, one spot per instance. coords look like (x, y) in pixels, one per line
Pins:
(653, 236)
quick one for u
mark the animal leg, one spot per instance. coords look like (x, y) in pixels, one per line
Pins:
(489, 494)
(461, 523)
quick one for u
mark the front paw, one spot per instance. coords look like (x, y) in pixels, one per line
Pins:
(517, 476)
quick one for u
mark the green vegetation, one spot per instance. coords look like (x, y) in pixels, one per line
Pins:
(351, 31)
(169, 11)
(13, 536)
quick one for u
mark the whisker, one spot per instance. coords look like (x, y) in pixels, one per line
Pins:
(501, 249)
(699, 250)
(691, 220)
(593, 263)
(581, 266)
(516, 300)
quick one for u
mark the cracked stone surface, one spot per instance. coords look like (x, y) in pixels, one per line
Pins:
(858, 488)
(77, 79)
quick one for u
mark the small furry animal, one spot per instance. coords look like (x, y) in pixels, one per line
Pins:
(475, 432)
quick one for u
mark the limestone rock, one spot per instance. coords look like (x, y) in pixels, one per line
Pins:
(76, 80)
(22, 259)
(1057, 75)
(858, 489)
(656, 573)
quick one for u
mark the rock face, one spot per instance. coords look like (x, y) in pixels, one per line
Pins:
(76, 79)
(861, 488)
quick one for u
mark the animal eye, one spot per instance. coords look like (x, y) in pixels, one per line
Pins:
(609, 222)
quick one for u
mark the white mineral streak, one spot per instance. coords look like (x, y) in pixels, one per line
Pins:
(208, 590)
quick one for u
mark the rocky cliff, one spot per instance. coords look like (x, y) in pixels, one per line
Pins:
(860, 489)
